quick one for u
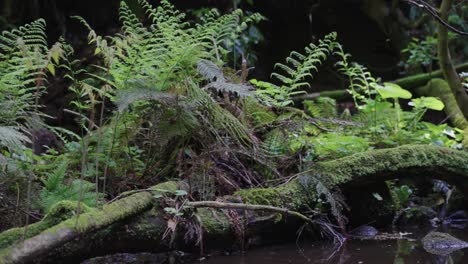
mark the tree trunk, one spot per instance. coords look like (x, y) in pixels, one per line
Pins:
(440, 88)
(445, 60)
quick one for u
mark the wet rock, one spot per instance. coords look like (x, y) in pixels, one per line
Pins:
(365, 231)
(442, 243)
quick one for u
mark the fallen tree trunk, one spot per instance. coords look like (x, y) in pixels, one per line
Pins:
(134, 223)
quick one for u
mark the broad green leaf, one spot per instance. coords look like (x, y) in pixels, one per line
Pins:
(391, 90)
(428, 102)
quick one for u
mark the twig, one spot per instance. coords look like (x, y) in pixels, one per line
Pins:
(434, 13)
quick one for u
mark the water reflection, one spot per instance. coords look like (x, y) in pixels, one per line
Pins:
(353, 251)
(369, 251)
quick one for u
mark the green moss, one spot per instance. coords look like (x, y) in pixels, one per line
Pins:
(415, 81)
(362, 167)
(396, 161)
(58, 213)
(290, 195)
(150, 225)
(213, 224)
(441, 89)
(83, 223)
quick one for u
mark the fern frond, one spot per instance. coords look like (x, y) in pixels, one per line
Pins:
(210, 71)
(240, 90)
(11, 138)
(294, 75)
(139, 91)
(322, 107)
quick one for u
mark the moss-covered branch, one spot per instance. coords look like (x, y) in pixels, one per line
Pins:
(410, 83)
(102, 227)
(73, 227)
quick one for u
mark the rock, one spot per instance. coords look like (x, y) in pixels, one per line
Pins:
(442, 243)
(365, 231)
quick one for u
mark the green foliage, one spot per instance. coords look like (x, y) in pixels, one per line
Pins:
(391, 90)
(335, 145)
(236, 38)
(56, 190)
(361, 82)
(404, 127)
(167, 76)
(294, 75)
(322, 107)
(400, 194)
(217, 81)
(421, 52)
(25, 60)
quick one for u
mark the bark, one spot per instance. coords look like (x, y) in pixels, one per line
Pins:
(445, 60)
(132, 224)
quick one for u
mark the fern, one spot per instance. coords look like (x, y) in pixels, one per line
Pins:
(360, 79)
(219, 82)
(25, 60)
(11, 138)
(275, 143)
(293, 76)
(322, 107)
(161, 72)
(55, 190)
(138, 90)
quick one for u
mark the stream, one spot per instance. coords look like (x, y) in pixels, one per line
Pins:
(354, 251)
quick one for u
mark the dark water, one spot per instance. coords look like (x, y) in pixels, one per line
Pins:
(355, 251)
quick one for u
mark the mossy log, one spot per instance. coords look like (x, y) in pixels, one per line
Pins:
(418, 80)
(133, 223)
(410, 83)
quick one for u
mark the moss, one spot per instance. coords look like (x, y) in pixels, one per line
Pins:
(418, 80)
(365, 167)
(441, 89)
(150, 225)
(375, 165)
(290, 195)
(214, 223)
(58, 213)
(87, 222)
(395, 161)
